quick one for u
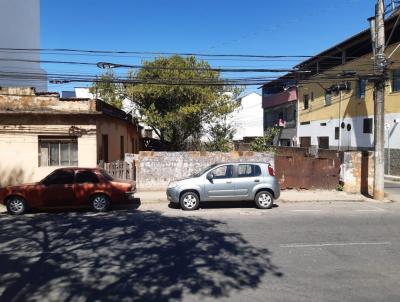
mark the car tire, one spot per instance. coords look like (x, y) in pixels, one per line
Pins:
(16, 205)
(264, 200)
(100, 203)
(189, 201)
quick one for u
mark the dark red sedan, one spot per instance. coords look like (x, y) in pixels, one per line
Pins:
(72, 187)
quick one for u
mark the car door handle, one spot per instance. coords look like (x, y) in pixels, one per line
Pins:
(257, 180)
(228, 182)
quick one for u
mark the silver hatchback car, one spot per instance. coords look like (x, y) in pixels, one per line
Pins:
(227, 182)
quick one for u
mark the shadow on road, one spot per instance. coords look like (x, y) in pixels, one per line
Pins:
(222, 205)
(124, 256)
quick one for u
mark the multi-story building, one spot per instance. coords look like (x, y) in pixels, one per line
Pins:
(336, 99)
(247, 120)
(20, 41)
(280, 109)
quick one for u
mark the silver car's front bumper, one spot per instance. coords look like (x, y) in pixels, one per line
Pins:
(173, 194)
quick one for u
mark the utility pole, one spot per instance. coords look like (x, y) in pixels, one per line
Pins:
(380, 63)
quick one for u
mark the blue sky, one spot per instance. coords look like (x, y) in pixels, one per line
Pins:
(264, 27)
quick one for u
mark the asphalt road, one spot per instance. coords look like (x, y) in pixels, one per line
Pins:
(392, 188)
(340, 251)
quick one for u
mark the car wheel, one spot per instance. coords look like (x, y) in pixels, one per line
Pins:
(16, 205)
(264, 200)
(189, 201)
(100, 203)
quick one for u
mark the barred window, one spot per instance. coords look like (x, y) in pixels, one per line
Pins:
(58, 151)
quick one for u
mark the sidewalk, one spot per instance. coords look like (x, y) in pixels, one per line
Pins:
(286, 196)
(289, 196)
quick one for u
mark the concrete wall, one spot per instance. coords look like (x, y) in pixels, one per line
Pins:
(357, 172)
(27, 100)
(156, 169)
(392, 162)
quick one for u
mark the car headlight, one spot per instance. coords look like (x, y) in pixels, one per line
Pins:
(172, 184)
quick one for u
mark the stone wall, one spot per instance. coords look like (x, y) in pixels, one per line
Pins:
(394, 162)
(357, 172)
(154, 170)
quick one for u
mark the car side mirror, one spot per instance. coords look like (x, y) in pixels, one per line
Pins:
(210, 177)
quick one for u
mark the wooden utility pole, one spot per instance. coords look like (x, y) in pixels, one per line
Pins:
(378, 43)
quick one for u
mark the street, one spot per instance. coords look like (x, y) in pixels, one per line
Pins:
(392, 189)
(325, 251)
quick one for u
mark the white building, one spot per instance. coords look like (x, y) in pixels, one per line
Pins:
(20, 29)
(247, 120)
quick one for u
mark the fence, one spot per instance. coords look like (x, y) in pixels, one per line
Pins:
(296, 168)
(120, 169)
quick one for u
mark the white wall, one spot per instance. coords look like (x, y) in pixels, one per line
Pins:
(355, 138)
(248, 118)
(20, 28)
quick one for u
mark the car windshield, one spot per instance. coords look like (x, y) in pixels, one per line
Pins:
(106, 175)
(204, 170)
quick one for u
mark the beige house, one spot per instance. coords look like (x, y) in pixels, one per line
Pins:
(40, 132)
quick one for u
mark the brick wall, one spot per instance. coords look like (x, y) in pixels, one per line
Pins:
(156, 169)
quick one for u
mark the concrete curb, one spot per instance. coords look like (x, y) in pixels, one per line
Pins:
(392, 178)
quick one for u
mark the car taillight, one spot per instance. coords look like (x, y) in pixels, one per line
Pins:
(271, 170)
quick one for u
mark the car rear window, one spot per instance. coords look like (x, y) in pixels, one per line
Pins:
(106, 175)
(249, 171)
(86, 177)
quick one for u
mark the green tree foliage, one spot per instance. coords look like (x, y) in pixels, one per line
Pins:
(264, 143)
(179, 112)
(109, 91)
(220, 135)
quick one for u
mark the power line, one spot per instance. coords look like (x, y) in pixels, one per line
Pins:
(162, 53)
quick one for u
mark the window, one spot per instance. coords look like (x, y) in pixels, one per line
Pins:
(223, 172)
(396, 80)
(249, 171)
(362, 83)
(323, 142)
(337, 133)
(86, 177)
(305, 142)
(367, 125)
(104, 147)
(328, 98)
(122, 148)
(306, 102)
(58, 151)
(59, 177)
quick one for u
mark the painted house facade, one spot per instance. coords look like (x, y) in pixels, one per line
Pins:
(279, 103)
(336, 102)
(40, 132)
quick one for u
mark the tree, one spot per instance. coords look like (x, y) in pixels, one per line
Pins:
(176, 110)
(264, 143)
(108, 90)
(220, 135)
